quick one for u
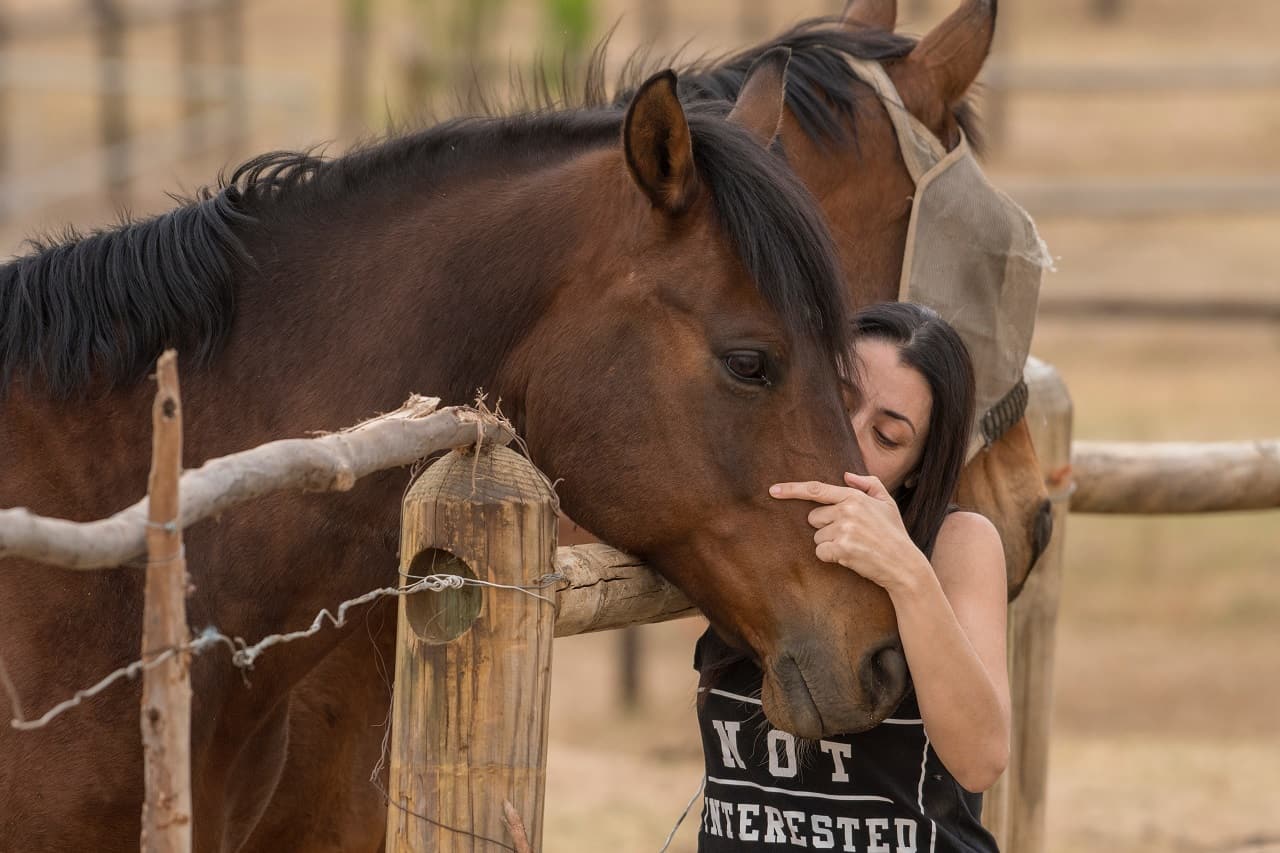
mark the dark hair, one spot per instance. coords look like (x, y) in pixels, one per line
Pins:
(927, 343)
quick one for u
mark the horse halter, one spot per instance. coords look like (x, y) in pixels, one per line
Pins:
(973, 255)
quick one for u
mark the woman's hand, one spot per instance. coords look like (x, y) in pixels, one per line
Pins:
(859, 528)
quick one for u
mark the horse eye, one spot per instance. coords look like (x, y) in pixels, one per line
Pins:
(747, 366)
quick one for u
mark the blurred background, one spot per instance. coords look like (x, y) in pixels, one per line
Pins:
(1144, 135)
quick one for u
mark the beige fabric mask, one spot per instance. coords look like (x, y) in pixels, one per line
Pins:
(973, 255)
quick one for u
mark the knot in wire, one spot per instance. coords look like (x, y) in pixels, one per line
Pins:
(439, 583)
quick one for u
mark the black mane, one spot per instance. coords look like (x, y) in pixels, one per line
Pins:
(822, 90)
(102, 306)
(98, 309)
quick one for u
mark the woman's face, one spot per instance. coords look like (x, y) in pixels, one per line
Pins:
(891, 422)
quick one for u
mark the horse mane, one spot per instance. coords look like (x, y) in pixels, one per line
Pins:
(103, 305)
(822, 90)
(99, 308)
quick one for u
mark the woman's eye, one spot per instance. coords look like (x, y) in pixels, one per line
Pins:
(885, 440)
(747, 366)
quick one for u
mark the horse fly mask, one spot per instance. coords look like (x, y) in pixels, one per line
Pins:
(973, 255)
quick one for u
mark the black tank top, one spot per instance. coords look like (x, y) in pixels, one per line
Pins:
(879, 791)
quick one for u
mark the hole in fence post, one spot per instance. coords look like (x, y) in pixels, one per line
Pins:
(441, 617)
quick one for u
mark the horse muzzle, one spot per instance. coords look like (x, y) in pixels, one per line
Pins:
(811, 703)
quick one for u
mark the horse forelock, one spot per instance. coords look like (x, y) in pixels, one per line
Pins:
(776, 229)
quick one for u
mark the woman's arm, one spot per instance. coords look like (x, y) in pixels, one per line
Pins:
(952, 623)
(951, 614)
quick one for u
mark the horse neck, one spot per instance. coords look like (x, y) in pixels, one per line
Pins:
(419, 288)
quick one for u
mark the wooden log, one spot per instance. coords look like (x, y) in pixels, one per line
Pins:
(166, 689)
(473, 668)
(329, 463)
(1014, 808)
(1175, 477)
(603, 589)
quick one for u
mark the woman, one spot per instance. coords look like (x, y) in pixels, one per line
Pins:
(913, 782)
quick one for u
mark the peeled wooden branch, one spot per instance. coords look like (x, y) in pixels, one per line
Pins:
(1169, 477)
(605, 589)
(329, 463)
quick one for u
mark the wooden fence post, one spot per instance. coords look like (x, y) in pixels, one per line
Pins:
(473, 665)
(1014, 808)
(166, 689)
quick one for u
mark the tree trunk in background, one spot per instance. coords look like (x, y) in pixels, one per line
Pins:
(191, 73)
(471, 64)
(1107, 10)
(630, 662)
(353, 68)
(113, 104)
(655, 21)
(231, 37)
(753, 20)
(5, 123)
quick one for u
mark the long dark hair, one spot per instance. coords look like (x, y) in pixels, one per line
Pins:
(927, 343)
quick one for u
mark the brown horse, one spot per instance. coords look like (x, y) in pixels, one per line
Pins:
(838, 138)
(840, 141)
(306, 294)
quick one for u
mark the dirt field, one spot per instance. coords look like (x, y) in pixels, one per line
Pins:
(1167, 705)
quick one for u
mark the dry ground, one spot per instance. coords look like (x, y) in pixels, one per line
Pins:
(1167, 704)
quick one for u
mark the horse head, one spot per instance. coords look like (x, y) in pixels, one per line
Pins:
(715, 331)
(838, 137)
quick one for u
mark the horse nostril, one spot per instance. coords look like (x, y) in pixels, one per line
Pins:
(884, 678)
(1041, 530)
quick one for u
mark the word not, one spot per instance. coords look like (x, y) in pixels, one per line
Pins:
(781, 750)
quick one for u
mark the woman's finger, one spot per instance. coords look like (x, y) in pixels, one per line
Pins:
(823, 493)
(868, 484)
(824, 515)
(826, 534)
(827, 553)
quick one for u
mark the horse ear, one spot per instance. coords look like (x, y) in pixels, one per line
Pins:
(763, 96)
(658, 146)
(942, 67)
(881, 14)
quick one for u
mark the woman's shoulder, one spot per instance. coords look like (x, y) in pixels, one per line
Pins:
(966, 527)
(968, 546)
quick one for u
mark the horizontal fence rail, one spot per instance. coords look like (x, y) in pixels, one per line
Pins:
(1215, 310)
(1174, 195)
(1175, 477)
(1175, 76)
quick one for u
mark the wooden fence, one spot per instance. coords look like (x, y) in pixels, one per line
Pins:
(473, 667)
(1121, 196)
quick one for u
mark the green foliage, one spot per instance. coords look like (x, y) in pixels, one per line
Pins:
(571, 23)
